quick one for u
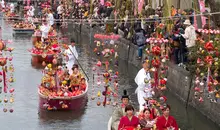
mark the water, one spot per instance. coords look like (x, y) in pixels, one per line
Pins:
(27, 116)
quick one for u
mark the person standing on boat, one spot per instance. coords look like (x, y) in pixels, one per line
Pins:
(119, 111)
(45, 28)
(71, 56)
(144, 90)
(3, 4)
(30, 14)
(50, 17)
(12, 8)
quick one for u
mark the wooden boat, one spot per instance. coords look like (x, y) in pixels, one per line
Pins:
(55, 103)
(23, 31)
(11, 17)
(37, 37)
(110, 124)
(39, 58)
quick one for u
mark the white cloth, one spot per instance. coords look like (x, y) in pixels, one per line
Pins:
(3, 4)
(144, 89)
(59, 9)
(50, 19)
(71, 58)
(12, 7)
(44, 30)
(190, 36)
(30, 14)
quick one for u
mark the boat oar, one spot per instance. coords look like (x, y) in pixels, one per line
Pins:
(78, 63)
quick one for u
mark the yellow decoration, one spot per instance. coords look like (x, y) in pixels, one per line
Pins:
(99, 94)
(49, 65)
(154, 127)
(64, 82)
(217, 95)
(11, 100)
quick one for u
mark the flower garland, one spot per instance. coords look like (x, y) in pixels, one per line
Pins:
(7, 76)
(206, 68)
(108, 56)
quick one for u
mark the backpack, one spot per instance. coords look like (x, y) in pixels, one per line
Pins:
(140, 38)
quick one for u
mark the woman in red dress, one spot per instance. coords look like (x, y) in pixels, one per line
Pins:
(128, 122)
(166, 122)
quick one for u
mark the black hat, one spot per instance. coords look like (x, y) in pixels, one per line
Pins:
(72, 40)
(125, 95)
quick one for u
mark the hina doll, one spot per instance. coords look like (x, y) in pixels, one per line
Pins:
(119, 111)
(129, 121)
(166, 122)
(144, 89)
(75, 76)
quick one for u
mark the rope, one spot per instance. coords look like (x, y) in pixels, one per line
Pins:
(106, 21)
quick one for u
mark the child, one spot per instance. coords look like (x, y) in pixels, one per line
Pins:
(76, 91)
(83, 84)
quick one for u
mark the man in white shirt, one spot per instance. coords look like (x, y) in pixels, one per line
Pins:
(71, 56)
(3, 4)
(45, 28)
(30, 14)
(144, 89)
(60, 10)
(50, 18)
(12, 8)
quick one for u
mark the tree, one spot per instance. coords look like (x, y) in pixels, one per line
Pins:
(214, 6)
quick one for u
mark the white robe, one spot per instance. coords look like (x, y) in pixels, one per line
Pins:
(143, 90)
(44, 30)
(71, 58)
(3, 4)
(12, 8)
(30, 14)
(50, 19)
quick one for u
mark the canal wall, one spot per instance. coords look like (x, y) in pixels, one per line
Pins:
(179, 80)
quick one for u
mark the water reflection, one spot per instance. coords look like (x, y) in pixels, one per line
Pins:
(46, 116)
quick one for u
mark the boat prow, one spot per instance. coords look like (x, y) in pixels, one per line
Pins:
(110, 123)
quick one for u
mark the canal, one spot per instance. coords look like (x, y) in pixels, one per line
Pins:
(27, 115)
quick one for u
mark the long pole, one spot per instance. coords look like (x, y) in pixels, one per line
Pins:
(79, 63)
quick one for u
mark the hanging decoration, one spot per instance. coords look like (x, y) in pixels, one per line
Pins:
(6, 77)
(206, 66)
(158, 55)
(106, 69)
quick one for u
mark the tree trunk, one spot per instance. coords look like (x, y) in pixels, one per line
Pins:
(214, 6)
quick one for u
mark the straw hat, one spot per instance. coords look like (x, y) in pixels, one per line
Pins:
(187, 22)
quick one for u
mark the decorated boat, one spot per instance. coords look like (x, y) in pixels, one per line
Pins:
(54, 91)
(23, 28)
(10, 16)
(45, 51)
(36, 37)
